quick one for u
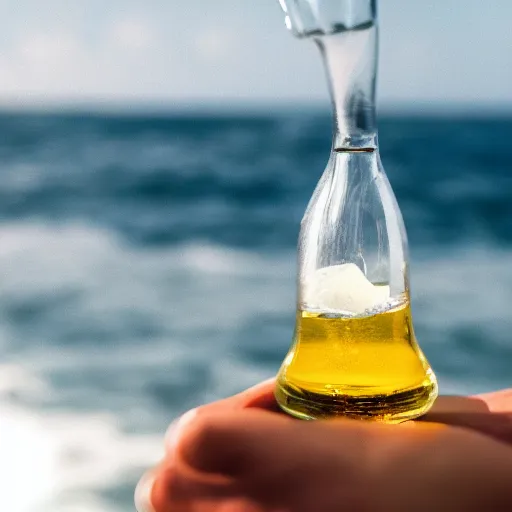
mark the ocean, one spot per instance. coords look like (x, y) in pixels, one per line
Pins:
(147, 265)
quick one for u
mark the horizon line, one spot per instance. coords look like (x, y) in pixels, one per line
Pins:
(159, 107)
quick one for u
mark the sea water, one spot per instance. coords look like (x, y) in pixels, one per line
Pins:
(147, 265)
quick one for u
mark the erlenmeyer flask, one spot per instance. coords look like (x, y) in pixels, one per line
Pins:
(354, 351)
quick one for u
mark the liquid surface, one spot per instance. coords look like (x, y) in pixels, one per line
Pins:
(365, 366)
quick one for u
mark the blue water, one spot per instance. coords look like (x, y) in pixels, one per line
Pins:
(147, 265)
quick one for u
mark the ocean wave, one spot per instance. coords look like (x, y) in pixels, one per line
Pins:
(66, 459)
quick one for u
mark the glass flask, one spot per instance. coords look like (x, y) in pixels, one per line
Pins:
(354, 351)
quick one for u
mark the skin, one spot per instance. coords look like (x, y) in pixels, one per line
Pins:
(242, 455)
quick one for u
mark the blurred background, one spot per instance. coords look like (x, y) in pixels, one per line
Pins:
(156, 159)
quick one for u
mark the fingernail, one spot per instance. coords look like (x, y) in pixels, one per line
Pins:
(143, 493)
(176, 428)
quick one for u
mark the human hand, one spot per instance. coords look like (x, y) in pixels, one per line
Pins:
(239, 455)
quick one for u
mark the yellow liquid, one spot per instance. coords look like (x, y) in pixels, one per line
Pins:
(368, 367)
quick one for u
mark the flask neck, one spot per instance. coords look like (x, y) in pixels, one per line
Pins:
(347, 35)
(350, 60)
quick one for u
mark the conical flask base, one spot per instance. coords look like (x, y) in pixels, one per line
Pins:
(365, 367)
(395, 407)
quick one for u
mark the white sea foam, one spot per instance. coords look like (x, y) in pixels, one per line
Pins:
(48, 460)
(46, 456)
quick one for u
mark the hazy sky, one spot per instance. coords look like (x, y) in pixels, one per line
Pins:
(442, 51)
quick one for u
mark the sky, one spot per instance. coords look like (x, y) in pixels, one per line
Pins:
(439, 53)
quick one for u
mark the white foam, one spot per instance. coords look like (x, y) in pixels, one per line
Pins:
(27, 464)
(48, 456)
(15, 380)
(343, 288)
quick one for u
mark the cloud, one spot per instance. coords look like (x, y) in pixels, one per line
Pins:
(36, 62)
(51, 65)
(132, 34)
(181, 51)
(214, 43)
(47, 49)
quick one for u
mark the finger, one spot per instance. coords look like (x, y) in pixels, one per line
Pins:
(474, 413)
(498, 401)
(260, 396)
(144, 491)
(456, 405)
(185, 490)
(169, 488)
(495, 425)
(233, 444)
(253, 441)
